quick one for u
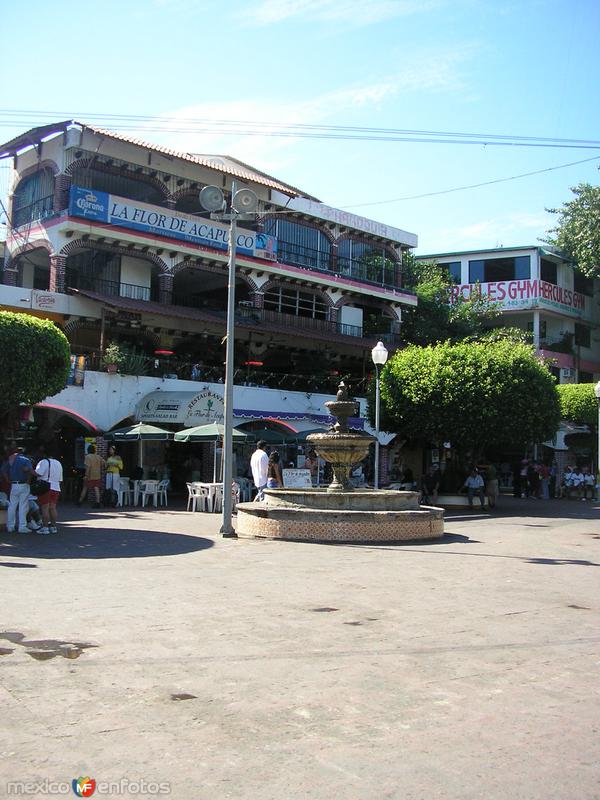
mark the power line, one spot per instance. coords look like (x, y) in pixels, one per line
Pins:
(471, 185)
(304, 130)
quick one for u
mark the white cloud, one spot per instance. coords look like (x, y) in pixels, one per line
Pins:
(241, 128)
(351, 12)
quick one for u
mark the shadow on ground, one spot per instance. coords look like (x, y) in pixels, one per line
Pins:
(98, 543)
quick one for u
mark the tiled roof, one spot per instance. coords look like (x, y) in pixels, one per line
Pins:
(224, 164)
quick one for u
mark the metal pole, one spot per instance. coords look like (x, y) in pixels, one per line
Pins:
(227, 457)
(376, 480)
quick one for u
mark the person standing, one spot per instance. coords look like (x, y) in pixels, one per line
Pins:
(259, 464)
(114, 465)
(311, 462)
(274, 478)
(18, 469)
(49, 469)
(491, 485)
(93, 475)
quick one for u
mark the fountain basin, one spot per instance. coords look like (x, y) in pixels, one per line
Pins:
(361, 516)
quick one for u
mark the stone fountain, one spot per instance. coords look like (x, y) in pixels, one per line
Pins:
(339, 512)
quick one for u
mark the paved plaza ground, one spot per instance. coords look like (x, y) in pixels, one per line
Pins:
(139, 645)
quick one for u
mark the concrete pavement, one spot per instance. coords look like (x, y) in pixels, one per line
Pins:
(140, 645)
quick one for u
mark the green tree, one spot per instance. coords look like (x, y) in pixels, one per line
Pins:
(473, 394)
(34, 360)
(578, 403)
(577, 233)
(436, 318)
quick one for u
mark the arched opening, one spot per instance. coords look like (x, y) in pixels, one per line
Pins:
(112, 273)
(198, 288)
(34, 269)
(116, 181)
(300, 245)
(366, 261)
(33, 198)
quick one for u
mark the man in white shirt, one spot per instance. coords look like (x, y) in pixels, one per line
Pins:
(259, 464)
(49, 469)
(474, 485)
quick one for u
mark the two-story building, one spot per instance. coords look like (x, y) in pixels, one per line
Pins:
(108, 238)
(541, 292)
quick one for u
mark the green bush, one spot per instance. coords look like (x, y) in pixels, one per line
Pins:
(34, 360)
(578, 403)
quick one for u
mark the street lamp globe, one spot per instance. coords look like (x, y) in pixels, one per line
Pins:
(379, 354)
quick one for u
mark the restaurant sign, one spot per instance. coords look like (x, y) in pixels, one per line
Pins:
(188, 409)
(524, 294)
(112, 210)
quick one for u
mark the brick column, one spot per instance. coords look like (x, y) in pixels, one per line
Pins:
(165, 288)
(62, 186)
(58, 268)
(258, 299)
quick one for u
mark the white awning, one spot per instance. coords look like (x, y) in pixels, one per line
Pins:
(184, 408)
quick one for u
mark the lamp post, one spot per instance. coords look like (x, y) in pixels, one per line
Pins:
(243, 205)
(597, 393)
(379, 354)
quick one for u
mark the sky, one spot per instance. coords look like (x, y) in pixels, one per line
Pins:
(491, 67)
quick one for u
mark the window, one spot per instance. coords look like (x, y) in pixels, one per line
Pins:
(300, 245)
(548, 271)
(582, 335)
(585, 377)
(542, 328)
(454, 269)
(365, 261)
(491, 270)
(33, 198)
(583, 284)
(295, 302)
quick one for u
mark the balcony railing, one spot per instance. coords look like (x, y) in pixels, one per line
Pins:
(39, 209)
(308, 258)
(114, 288)
(326, 381)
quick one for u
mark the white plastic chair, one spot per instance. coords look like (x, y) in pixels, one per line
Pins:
(197, 496)
(218, 499)
(123, 492)
(162, 492)
(149, 489)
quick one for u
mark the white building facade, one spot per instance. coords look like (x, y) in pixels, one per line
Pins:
(540, 292)
(107, 237)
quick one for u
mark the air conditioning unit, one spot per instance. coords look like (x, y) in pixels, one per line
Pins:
(567, 372)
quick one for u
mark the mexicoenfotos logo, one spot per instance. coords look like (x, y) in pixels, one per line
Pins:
(84, 787)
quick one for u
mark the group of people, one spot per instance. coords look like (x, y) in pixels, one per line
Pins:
(94, 465)
(579, 482)
(32, 488)
(266, 469)
(534, 479)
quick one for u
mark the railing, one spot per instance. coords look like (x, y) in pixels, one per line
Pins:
(39, 209)
(309, 258)
(301, 256)
(324, 382)
(378, 275)
(295, 323)
(114, 288)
